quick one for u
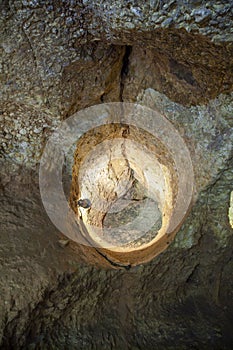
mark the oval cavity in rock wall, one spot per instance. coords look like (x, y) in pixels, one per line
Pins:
(132, 181)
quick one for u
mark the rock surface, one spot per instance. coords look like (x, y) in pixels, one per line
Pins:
(59, 57)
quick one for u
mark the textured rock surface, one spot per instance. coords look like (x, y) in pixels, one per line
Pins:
(57, 58)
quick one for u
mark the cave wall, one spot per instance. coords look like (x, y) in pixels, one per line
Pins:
(59, 57)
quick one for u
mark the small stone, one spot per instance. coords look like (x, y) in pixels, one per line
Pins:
(84, 203)
(136, 11)
(7, 48)
(63, 242)
(69, 21)
(154, 17)
(154, 4)
(129, 25)
(23, 132)
(37, 130)
(49, 8)
(166, 6)
(201, 14)
(57, 68)
(24, 145)
(167, 22)
(160, 19)
(54, 30)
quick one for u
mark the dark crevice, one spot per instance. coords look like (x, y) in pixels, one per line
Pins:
(102, 97)
(118, 265)
(124, 69)
(86, 236)
(193, 275)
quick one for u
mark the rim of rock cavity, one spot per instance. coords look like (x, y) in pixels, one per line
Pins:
(117, 174)
(125, 153)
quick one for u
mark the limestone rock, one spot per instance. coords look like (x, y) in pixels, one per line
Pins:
(57, 58)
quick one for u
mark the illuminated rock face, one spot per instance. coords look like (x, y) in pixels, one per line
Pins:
(138, 174)
(125, 183)
(58, 58)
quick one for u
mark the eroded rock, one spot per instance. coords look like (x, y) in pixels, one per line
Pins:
(57, 58)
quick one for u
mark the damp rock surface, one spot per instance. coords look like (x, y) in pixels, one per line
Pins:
(57, 58)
